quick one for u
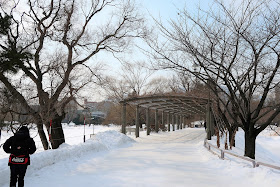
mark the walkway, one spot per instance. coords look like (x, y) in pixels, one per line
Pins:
(174, 159)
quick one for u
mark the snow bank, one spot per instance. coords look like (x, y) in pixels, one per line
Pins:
(113, 139)
(103, 141)
(267, 149)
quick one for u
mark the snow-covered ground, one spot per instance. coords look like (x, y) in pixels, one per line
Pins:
(267, 146)
(175, 158)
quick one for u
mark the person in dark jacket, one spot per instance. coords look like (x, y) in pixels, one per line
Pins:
(20, 146)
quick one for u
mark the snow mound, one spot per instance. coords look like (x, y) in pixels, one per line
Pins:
(65, 151)
(266, 150)
(112, 139)
(102, 141)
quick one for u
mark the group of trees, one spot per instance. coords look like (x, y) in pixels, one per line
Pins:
(233, 48)
(46, 47)
(136, 80)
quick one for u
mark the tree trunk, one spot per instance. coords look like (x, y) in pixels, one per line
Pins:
(218, 136)
(57, 135)
(232, 133)
(230, 137)
(226, 145)
(250, 144)
(42, 135)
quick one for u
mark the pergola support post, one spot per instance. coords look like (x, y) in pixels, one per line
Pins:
(123, 118)
(177, 122)
(173, 122)
(148, 125)
(181, 121)
(137, 122)
(168, 121)
(156, 121)
(162, 119)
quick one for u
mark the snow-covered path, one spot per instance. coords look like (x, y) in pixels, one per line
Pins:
(176, 159)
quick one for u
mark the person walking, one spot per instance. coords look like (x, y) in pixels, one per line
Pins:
(20, 146)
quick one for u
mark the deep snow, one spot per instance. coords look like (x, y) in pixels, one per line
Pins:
(166, 159)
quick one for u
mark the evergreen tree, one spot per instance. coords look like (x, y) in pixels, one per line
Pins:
(11, 56)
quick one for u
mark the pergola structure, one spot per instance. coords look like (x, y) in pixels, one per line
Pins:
(176, 108)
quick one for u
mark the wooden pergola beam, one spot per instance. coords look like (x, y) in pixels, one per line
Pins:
(176, 107)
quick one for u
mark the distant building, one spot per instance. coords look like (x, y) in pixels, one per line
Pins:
(97, 110)
(89, 105)
(71, 111)
(98, 114)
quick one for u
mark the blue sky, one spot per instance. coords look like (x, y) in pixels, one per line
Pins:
(164, 9)
(169, 8)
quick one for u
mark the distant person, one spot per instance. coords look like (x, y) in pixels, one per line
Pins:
(20, 146)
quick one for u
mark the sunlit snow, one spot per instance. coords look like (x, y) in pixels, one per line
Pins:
(176, 159)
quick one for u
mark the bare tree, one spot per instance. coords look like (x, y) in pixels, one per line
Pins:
(131, 81)
(136, 76)
(236, 48)
(158, 85)
(62, 36)
(114, 114)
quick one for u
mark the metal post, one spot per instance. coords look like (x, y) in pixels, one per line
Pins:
(148, 125)
(137, 122)
(123, 118)
(50, 134)
(156, 120)
(254, 164)
(84, 129)
(222, 154)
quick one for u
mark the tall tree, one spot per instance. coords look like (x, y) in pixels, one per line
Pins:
(63, 36)
(132, 81)
(236, 48)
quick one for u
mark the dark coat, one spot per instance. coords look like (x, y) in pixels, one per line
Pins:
(20, 144)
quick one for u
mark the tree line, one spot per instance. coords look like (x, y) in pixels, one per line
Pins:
(232, 48)
(45, 48)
